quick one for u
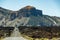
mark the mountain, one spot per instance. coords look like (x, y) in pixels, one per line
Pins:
(27, 16)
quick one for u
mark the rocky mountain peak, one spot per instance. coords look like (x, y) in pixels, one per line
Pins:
(29, 7)
(30, 11)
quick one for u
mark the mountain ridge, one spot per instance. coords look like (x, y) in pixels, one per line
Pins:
(27, 16)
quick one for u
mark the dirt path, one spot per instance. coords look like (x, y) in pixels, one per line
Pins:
(15, 36)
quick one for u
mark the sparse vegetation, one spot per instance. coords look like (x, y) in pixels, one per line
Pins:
(5, 31)
(40, 32)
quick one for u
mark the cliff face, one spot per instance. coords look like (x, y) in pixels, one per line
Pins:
(30, 11)
(26, 16)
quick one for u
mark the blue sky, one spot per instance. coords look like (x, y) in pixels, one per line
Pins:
(49, 7)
